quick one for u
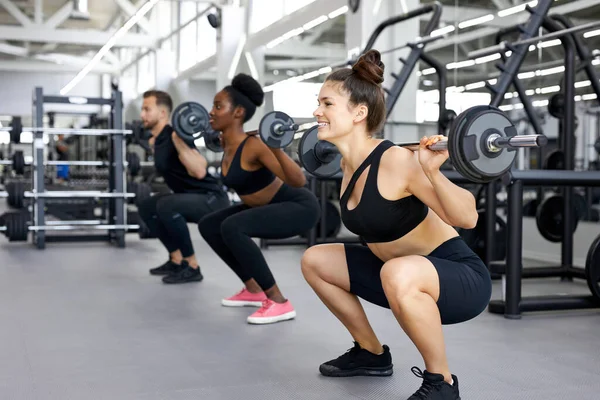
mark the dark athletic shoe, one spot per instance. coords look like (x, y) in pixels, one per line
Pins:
(434, 387)
(166, 269)
(359, 362)
(184, 275)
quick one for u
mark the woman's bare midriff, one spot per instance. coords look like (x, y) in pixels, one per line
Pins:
(263, 196)
(422, 240)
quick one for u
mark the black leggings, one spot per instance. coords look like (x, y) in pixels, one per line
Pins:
(229, 232)
(465, 283)
(166, 215)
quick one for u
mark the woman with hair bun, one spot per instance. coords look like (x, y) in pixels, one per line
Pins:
(405, 209)
(275, 204)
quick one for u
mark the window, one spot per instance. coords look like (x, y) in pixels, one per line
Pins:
(187, 11)
(267, 12)
(207, 40)
(187, 46)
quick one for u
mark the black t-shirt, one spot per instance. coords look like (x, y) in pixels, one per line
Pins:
(168, 165)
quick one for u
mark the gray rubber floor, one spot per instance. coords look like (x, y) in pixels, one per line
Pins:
(87, 321)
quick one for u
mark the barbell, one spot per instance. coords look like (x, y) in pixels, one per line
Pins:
(15, 128)
(481, 143)
(16, 226)
(190, 121)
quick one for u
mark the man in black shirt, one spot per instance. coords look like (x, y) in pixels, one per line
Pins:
(195, 193)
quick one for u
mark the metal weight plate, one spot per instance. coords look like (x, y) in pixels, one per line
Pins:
(555, 160)
(592, 268)
(190, 120)
(18, 160)
(454, 142)
(309, 160)
(475, 238)
(212, 141)
(16, 194)
(268, 129)
(133, 163)
(549, 218)
(142, 192)
(556, 105)
(16, 226)
(467, 139)
(17, 127)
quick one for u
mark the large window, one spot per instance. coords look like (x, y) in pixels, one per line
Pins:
(297, 99)
(187, 46)
(207, 40)
(146, 72)
(428, 103)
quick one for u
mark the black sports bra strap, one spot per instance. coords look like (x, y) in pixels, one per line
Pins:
(377, 154)
(357, 175)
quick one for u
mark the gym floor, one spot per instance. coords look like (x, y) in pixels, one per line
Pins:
(87, 321)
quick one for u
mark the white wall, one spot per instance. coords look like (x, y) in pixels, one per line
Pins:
(17, 91)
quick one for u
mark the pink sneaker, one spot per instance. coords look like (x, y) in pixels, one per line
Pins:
(271, 312)
(245, 298)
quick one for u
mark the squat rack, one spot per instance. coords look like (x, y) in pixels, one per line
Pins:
(117, 192)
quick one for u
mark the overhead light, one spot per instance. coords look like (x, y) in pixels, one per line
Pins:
(108, 45)
(516, 9)
(591, 33)
(476, 21)
(315, 22)
(338, 12)
(80, 10)
(443, 31)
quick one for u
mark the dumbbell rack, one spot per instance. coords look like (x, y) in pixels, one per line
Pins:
(116, 194)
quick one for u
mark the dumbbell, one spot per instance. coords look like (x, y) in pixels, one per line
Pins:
(481, 143)
(17, 162)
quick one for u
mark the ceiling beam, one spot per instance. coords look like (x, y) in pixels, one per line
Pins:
(16, 12)
(73, 36)
(60, 16)
(129, 9)
(38, 11)
(41, 66)
(299, 64)
(6, 48)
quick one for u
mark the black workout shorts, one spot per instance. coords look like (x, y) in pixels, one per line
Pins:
(465, 283)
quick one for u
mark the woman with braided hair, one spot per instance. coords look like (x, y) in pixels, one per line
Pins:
(405, 209)
(275, 204)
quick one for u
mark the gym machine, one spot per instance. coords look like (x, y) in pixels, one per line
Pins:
(512, 304)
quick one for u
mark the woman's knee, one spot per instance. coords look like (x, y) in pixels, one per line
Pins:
(401, 278)
(324, 262)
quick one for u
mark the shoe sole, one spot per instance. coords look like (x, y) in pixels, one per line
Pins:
(387, 371)
(238, 303)
(198, 279)
(271, 320)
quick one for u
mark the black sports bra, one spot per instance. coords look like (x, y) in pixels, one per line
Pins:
(242, 181)
(375, 218)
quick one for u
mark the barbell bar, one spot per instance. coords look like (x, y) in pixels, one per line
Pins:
(79, 163)
(505, 45)
(78, 194)
(80, 132)
(74, 227)
(480, 142)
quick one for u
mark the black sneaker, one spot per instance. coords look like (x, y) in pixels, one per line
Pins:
(184, 275)
(434, 387)
(166, 269)
(359, 362)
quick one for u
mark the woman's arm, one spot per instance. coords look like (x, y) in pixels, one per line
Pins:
(453, 204)
(279, 163)
(192, 160)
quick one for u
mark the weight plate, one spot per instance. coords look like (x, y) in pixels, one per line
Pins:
(475, 238)
(555, 160)
(268, 129)
(556, 105)
(212, 141)
(549, 218)
(592, 268)
(18, 160)
(454, 143)
(16, 226)
(142, 192)
(190, 120)
(447, 117)
(16, 194)
(17, 128)
(309, 160)
(469, 138)
(133, 163)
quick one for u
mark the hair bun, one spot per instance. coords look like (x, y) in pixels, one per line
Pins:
(369, 67)
(249, 87)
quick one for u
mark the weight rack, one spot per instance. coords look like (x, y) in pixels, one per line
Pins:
(117, 193)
